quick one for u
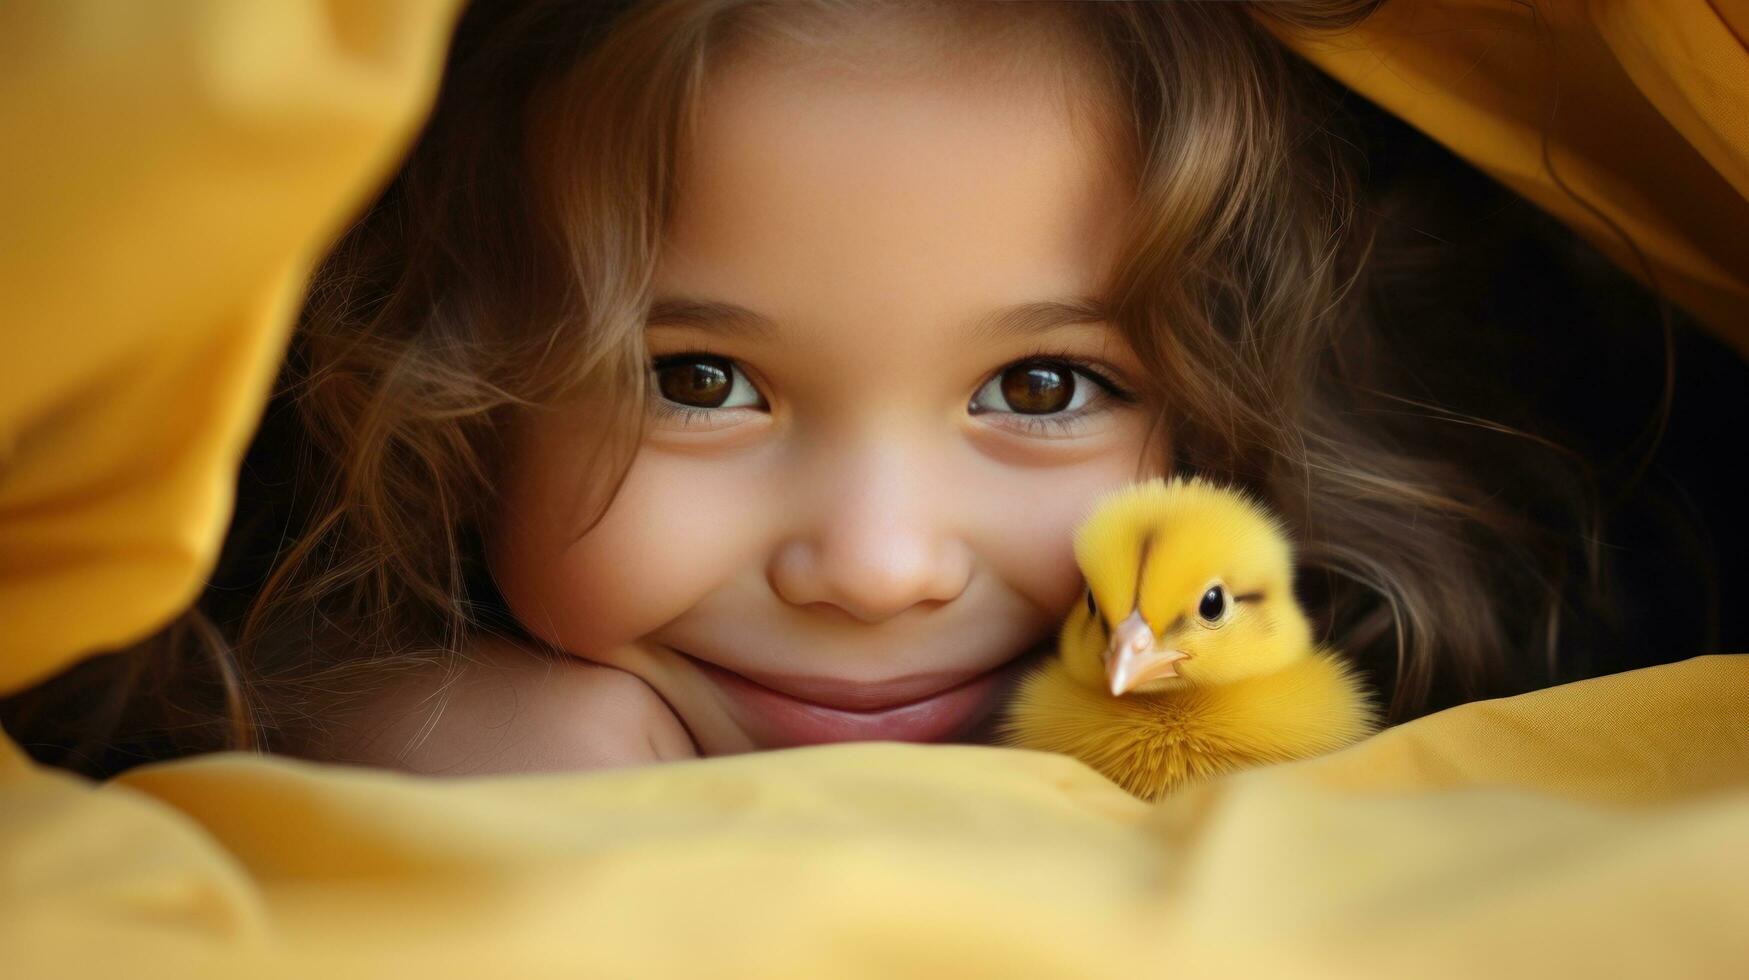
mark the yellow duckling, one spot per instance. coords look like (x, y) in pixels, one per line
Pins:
(1190, 655)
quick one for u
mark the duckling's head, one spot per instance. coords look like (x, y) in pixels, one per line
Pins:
(1189, 584)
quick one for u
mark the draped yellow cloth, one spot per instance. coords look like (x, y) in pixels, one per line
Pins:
(171, 171)
(1626, 119)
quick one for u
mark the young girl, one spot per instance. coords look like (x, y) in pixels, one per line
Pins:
(721, 376)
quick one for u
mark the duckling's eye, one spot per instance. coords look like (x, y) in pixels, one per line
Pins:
(1092, 607)
(1213, 607)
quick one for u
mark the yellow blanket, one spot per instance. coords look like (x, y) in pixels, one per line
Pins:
(170, 172)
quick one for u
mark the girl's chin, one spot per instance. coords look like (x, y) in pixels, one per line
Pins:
(774, 720)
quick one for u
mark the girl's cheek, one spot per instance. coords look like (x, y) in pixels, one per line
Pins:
(678, 529)
(1031, 540)
(1026, 529)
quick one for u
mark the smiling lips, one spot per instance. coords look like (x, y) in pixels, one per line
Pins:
(864, 696)
(782, 710)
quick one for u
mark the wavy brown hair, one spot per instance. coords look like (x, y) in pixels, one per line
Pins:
(508, 267)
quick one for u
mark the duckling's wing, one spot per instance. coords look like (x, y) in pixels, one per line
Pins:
(1315, 705)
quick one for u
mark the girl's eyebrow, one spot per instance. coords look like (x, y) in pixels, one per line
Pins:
(1018, 320)
(712, 315)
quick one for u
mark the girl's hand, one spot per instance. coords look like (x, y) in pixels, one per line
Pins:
(513, 710)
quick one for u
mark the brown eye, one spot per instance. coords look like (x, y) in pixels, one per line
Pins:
(1038, 387)
(697, 380)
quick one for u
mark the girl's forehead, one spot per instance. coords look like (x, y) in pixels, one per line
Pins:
(811, 198)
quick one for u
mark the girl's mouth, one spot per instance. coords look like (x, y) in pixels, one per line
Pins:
(776, 719)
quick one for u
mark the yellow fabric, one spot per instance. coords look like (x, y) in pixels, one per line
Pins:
(170, 171)
(1599, 828)
(1642, 107)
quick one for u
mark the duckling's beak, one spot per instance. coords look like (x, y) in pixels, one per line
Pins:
(1135, 658)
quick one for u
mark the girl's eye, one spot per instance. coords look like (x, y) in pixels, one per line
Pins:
(1048, 394)
(693, 385)
(1037, 388)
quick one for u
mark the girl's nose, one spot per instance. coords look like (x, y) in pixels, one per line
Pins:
(875, 540)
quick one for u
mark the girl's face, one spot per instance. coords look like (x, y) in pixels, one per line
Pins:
(882, 400)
